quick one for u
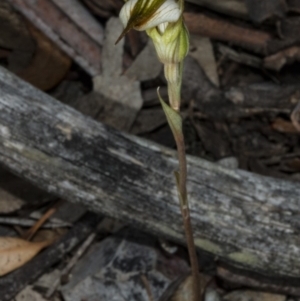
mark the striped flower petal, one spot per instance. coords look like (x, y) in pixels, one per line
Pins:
(168, 11)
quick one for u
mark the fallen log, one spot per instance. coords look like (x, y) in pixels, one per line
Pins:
(245, 219)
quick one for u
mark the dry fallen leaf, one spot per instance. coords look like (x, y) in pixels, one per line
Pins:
(122, 98)
(49, 64)
(8, 202)
(283, 126)
(28, 294)
(278, 60)
(15, 252)
(184, 291)
(202, 50)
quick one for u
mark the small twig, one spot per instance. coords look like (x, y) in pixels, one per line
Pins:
(28, 222)
(283, 287)
(226, 31)
(185, 211)
(240, 57)
(80, 251)
(30, 233)
(147, 286)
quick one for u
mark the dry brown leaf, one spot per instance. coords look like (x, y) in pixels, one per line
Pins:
(121, 96)
(202, 50)
(48, 66)
(278, 60)
(284, 126)
(8, 202)
(15, 252)
(17, 44)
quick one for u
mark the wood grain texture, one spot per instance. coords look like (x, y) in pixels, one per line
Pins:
(220, 29)
(245, 219)
(61, 27)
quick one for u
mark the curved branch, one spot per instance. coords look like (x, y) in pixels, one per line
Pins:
(243, 218)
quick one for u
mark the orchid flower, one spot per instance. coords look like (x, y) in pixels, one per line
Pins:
(164, 24)
(144, 14)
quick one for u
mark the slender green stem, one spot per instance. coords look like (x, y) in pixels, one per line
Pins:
(182, 178)
(172, 47)
(173, 67)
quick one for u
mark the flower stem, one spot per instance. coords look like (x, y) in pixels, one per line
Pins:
(185, 211)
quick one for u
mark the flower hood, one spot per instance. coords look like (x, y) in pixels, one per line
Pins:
(146, 14)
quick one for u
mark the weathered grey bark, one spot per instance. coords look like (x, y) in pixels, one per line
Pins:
(243, 218)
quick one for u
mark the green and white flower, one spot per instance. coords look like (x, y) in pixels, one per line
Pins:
(145, 14)
(163, 22)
